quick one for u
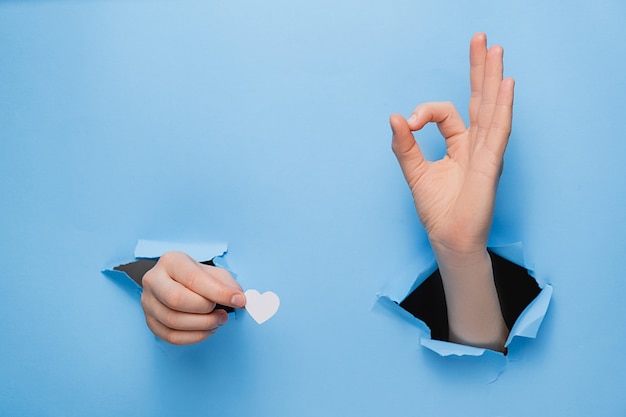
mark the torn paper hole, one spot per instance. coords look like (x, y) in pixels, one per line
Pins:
(261, 307)
(524, 303)
(147, 253)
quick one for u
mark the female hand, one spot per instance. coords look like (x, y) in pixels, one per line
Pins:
(455, 196)
(179, 298)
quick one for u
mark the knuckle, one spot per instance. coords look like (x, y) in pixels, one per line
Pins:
(174, 299)
(223, 295)
(174, 337)
(215, 320)
(170, 257)
(420, 107)
(204, 335)
(171, 319)
(151, 326)
(221, 272)
(148, 278)
(194, 278)
(156, 327)
(218, 272)
(143, 300)
(207, 324)
(210, 306)
(164, 260)
(395, 147)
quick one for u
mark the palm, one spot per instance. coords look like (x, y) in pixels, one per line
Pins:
(454, 196)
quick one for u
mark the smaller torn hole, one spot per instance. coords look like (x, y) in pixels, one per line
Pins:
(137, 269)
(516, 290)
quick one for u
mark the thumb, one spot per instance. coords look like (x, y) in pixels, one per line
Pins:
(229, 287)
(404, 146)
(225, 290)
(214, 284)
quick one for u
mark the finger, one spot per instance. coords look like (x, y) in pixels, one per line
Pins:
(177, 337)
(405, 148)
(190, 274)
(446, 116)
(177, 320)
(491, 86)
(500, 130)
(222, 276)
(159, 285)
(478, 55)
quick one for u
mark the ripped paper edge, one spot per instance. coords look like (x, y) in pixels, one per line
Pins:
(527, 324)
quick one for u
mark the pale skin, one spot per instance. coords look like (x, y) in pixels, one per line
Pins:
(455, 196)
(179, 298)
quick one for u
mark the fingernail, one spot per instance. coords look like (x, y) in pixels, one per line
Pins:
(238, 300)
(412, 119)
(223, 318)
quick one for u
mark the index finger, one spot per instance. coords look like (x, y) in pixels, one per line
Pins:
(208, 283)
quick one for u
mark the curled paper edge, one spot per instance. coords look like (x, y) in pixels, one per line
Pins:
(199, 251)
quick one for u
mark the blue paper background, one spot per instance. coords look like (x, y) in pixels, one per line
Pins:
(264, 124)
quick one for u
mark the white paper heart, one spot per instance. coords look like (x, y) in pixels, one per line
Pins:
(261, 306)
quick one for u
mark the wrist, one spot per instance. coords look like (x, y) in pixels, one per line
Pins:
(474, 315)
(466, 257)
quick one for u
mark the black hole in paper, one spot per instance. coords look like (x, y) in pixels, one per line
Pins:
(516, 289)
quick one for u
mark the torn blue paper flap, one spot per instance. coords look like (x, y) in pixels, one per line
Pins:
(526, 325)
(393, 306)
(148, 251)
(449, 348)
(199, 251)
(397, 289)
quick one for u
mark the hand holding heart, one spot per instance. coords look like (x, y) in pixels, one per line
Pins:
(180, 296)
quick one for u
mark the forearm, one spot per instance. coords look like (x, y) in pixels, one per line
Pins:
(474, 315)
